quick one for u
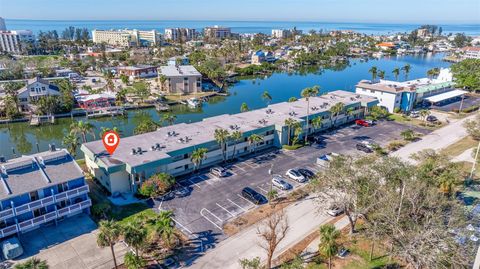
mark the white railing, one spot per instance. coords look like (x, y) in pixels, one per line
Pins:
(73, 208)
(37, 221)
(8, 213)
(8, 231)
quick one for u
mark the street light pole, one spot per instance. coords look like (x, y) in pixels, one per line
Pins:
(475, 160)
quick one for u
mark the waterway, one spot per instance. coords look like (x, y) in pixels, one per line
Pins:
(20, 138)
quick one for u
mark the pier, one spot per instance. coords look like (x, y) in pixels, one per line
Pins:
(37, 120)
(107, 111)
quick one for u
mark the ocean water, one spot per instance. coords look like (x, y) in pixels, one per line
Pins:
(237, 26)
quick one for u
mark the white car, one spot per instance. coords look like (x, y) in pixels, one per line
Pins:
(218, 171)
(280, 183)
(334, 211)
(295, 175)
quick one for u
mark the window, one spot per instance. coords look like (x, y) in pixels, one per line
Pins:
(33, 196)
(372, 91)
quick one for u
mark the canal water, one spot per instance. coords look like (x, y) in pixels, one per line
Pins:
(24, 139)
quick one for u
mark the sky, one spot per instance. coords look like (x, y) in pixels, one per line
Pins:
(380, 11)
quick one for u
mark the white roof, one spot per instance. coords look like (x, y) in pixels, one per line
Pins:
(445, 96)
(179, 71)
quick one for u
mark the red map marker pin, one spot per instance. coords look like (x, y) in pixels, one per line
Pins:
(111, 140)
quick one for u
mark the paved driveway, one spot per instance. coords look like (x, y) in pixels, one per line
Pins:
(71, 244)
(214, 201)
(468, 101)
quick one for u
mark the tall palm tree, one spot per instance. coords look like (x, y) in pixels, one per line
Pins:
(307, 93)
(169, 118)
(222, 136)
(396, 72)
(198, 156)
(83, 128)
(317, 122)
(132, 261)
(424, 114)
(108, 234)
(406, 69)
(236, 137)
(266, 97)
(244, 107)
(328, 246)
(373, 70)
(71, 142)
(103, 130)
(253, 140)
(164, 227)
(381, 74)
(135, 236)
(335, 110)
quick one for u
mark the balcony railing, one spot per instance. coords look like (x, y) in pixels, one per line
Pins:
(37, 221)
(8, 213)
(8, 231)
(73, 208)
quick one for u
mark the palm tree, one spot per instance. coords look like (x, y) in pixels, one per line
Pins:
(373, 70)
(253, 140)
(133, 261)
(106, 129)
(407, 134)
(433, 72)
(71, 142)
(83, 128)
(135, 236)
(169, 118)
(307, 93)
(291, 125)
(108, 234)
(222, 136)
(381, 74)
(236, 137)
(396, 72)
(164, 227)
(317, 122)
(424, 114)
(32, 263)
(292, 99)
(328, 246)
(335, 110)
(266, 97)
(198, 156)
(406, 69)
(244, 107)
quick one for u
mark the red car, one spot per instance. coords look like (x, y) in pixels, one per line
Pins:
(362, 123)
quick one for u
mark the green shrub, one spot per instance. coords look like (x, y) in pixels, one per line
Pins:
(397, 110)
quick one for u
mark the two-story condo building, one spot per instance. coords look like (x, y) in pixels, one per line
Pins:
(169, 149)
(138, 71)
(39, 189)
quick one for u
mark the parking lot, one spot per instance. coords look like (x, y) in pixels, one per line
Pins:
(213, 201)
(468, 101)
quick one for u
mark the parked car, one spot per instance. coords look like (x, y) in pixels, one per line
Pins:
(306, 173)
(414, 114)
(280, 183)
(365, 147)
(315, 140)
(363, 123)
(11, 248)
(253, 196)
(371, 122)
(334, 211)
(324, 160)
(295, 175)
(218, 171)
(182, 192)
(432, 118)
(342, 253)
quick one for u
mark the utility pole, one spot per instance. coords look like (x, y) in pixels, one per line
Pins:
(475, 160)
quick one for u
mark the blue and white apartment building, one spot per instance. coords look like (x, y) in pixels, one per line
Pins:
(40, 189)
(169, 149)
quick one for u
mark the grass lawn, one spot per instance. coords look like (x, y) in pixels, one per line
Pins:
(409, 121)
(460, 146)
(292, 147)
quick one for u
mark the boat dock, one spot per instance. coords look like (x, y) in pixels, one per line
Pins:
(106, 111)
(161, 107)
(37, 120)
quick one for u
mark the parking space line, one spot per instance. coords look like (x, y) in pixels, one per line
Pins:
(233, 215)
(244, 210)
(219, 219)
(196, 184)
(245, 199)
(183, 227)
(201, 213)
(262, 189)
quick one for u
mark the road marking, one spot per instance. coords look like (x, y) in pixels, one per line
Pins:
(183, 227)
(233, 215)
(246, 199)
(201, 213)
(196, 184)
(263, 190)
(244, 210)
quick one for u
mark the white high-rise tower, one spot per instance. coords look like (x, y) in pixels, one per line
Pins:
(3, 27)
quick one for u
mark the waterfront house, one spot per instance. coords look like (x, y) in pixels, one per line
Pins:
(470, 52)
(40, 189)
(95, 101)
(386, 45)
(35, 89)
(169, 149)
(182, 79)
(138, 71)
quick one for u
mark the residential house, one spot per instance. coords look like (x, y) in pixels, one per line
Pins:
(182, 79)
(34, 90)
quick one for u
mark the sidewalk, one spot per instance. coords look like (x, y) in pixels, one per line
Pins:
(436, 140)
(303, 219)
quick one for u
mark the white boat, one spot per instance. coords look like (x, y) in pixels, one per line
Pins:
(193, 102)
(377, 54)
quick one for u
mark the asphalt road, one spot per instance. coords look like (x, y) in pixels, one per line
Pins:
(214, 201)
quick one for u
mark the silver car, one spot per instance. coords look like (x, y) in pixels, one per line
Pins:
(280, 183)
(218, 171)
